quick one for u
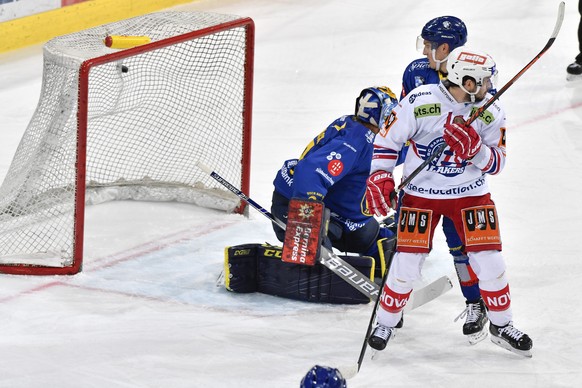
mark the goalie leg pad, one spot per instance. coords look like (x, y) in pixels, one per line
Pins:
(309, 283)
(292, 281)
(240, 268)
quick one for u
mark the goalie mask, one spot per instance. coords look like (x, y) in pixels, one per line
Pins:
(465, 62)
(375, 104)
(323, 377)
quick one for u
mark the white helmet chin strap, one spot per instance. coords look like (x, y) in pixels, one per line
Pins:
(472, 95)
(438, 62)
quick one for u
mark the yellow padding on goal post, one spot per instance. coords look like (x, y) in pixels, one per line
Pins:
(125, 41)
(39, 28)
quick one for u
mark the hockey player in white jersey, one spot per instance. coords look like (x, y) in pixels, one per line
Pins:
(454, 185)
(438, 37)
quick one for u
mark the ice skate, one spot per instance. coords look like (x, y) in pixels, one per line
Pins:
(380, 337)
(510, 338)
(400, 322)
(574, 71)
(476, 318)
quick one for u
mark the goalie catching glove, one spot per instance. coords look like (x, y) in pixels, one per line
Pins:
(380, 194)
(464, 141)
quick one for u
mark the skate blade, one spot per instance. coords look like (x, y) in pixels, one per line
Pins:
(477, 337)
(574, 78)
(375, 352)
(499, 342)
(220, 279)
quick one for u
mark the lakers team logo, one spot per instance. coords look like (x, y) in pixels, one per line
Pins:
(447, 164)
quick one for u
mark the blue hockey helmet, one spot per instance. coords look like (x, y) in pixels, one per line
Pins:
(445, 29)
(375, 104)
(323, 377)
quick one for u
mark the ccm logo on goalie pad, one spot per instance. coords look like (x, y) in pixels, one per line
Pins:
(414, 228)
(241, 252)
(481, 226)
(272, 253)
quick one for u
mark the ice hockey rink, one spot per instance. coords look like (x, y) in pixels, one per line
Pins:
(146, 310)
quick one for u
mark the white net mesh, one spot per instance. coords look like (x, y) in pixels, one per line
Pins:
(151, 116)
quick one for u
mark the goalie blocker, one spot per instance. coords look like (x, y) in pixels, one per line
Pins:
(259, 268)
(307, 222)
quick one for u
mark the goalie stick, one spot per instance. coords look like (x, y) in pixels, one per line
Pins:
(332, 261)
(439, 150)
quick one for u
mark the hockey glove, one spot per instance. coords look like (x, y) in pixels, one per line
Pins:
(307, 222)
(463, 140)
(380, 193)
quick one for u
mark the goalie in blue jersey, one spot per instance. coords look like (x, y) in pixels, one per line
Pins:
(333, 168)
(321, 197)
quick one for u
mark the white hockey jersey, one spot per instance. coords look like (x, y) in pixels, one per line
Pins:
(420, 120)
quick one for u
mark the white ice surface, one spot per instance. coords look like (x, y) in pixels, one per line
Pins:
(145, 311)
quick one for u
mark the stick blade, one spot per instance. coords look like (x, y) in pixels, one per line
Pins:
(561, 10)
(204, 167)
(428, 293)
(348, 371)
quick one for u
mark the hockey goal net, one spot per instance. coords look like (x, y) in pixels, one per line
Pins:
(118, 124)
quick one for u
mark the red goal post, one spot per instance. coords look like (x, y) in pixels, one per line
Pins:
(119, 124)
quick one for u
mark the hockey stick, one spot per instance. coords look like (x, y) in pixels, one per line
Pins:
(373, 317)
(420, 297)
(439, 150)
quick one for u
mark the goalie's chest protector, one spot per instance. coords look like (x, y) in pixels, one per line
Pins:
(333, 167)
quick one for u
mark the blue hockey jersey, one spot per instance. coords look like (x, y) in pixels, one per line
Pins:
(334, 168)
(417, 73)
